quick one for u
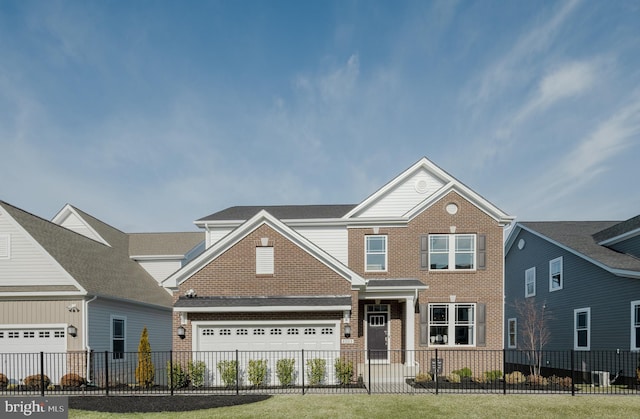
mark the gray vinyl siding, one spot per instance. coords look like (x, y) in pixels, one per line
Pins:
(630, 246)
(585, 286)
(157, 321)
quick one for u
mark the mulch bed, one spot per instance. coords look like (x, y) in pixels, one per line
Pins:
(143, 404)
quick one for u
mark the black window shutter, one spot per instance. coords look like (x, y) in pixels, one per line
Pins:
(424, 322)
(481, 326)
(424, 252)
(482, 251)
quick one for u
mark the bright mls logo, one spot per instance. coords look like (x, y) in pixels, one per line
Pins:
(34, 407)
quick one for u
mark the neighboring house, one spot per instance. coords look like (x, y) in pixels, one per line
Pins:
(416, 265)
(72, 285)
(586, 275)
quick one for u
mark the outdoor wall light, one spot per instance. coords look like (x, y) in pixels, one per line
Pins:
(72, 331)
(347, 331)
(181, 332)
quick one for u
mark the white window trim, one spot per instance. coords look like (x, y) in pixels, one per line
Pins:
(386, 253)
(124, 339)
(632, 344)
(551, 288)
(515, 337)
(526, 283)
(452, 252)
(575, 329)
(6, 239)
(451, 324)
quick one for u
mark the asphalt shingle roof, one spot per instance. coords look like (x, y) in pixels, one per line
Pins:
(618, 229)
(261, 301)
(580, 236)
(282, 212)
(143, 244)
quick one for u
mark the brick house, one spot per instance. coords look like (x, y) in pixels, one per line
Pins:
(417, 265)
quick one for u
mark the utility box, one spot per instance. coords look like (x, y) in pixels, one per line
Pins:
(600, 378)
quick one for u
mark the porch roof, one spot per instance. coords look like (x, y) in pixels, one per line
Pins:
(264, 303)
(396, 284)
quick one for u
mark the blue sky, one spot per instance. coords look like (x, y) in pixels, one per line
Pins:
(151, 114)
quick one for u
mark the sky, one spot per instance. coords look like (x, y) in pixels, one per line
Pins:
(151, 114)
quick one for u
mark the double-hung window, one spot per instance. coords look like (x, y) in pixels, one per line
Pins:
(530, 282)
(513, 333)
(452, 324)
(582, 329)
(117, 337)
(555, 274)
(375, 253)
(452, 251)
(635, 325)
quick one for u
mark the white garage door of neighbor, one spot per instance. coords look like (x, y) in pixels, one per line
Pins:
(319, 340)
(20, 349)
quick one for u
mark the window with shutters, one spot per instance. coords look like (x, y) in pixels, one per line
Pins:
(5, 246)
(451, 252)
(452, 324)
(264, 260)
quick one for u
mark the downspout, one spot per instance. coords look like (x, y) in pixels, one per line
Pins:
(85, 334)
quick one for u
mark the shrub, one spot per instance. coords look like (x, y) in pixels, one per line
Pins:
(72, 380)
(480, 379)
(453, 378)
(537, 380)
(284, 371)
(493, 375)
(33, 381)
(515, 377)
(344, 371)
(12, 387)
(257, 371)
(145, 371)
(561, 381)
(316, 369)
(463, 373)
(196, 371)
(423, 377)
(176, 375)
(4, 381)
(227, 371)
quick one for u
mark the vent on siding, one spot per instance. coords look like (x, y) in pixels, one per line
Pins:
(264, 261)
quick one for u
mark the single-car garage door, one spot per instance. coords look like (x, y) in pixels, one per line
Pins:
(20, 348)
(267, 340)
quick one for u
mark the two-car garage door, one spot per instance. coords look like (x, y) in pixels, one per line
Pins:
(266, 340)
(20, 348)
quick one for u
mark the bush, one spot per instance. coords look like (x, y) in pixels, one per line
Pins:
(33, 381)
(515, 377)
(145, 371)
(72, 380)
(453, 378)
(561, 381)
(227, 371)
(284, 371)
(493, 375)
(257, 371)
(316, 369)
(4, 381)
(537, 380)
(423, 377)
(480, 379)
(344, 371)
(176, 375)
(196, 371)
(463, 373)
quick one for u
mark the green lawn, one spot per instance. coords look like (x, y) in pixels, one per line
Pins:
(408, 406)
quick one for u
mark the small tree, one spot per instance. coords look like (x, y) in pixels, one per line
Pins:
(534, 330)
(145, 370)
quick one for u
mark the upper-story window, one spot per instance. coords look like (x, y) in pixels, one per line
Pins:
(264, 260)
(530, 282)
(635, 325)
(555, 275)
(375, 253)
(452, 251)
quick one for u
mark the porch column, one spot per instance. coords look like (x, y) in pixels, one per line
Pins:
(409, 332)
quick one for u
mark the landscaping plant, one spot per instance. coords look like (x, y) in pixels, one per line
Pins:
(344, 371)
(145, 371)
(176, 375)
(284, 370)
(257, 371)
(196, 371)
(316, 369)
(227, 370)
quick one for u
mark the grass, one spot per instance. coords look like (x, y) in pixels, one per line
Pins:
(407, 406)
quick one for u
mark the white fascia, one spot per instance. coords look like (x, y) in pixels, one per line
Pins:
(157, 257)
(260, 309)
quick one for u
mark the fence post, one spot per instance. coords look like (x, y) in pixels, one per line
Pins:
(42, 373)
(504, 371)
(302, 367)
(369, 360)
(435, 374)
(171, 370)
(106, 371)
(237, 374)
(573, 374)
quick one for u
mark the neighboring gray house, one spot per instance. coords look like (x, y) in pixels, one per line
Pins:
(587, 276)
(76, 284)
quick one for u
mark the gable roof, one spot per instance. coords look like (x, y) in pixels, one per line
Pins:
(261, 218)
(619, 231)
(100, 269)
(164, 244)
(578, 237)
(282, 212)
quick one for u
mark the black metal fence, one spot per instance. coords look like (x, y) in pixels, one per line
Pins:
(277, 372)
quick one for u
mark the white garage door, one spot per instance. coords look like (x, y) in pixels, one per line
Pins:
(20, 349)
(270, 341)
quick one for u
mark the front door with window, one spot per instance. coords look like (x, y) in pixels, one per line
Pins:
(377, 334)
